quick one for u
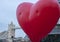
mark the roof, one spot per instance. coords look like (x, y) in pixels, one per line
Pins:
(3, 35)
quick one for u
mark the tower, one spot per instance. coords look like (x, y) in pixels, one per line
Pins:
(11, 32)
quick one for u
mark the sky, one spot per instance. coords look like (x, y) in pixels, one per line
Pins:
(8, 14)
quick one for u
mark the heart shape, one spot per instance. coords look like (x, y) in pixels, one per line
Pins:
(41, 20)
(43, 17)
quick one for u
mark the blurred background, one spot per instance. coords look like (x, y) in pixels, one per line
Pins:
(10, 31)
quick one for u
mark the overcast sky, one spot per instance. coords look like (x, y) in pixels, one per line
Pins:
(8, 14)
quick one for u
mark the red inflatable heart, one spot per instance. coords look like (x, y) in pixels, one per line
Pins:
(43, 17)
(41, 20)
(23, 11)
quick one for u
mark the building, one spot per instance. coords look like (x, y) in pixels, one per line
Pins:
(53, 36)
(9, 35)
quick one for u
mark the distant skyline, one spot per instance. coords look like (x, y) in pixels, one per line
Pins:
(8, 14)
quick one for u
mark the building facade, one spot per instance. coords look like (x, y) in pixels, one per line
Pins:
(9, 35)
(53, 36)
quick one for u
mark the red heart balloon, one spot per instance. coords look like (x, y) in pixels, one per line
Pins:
(22, 13)
(43, 17)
